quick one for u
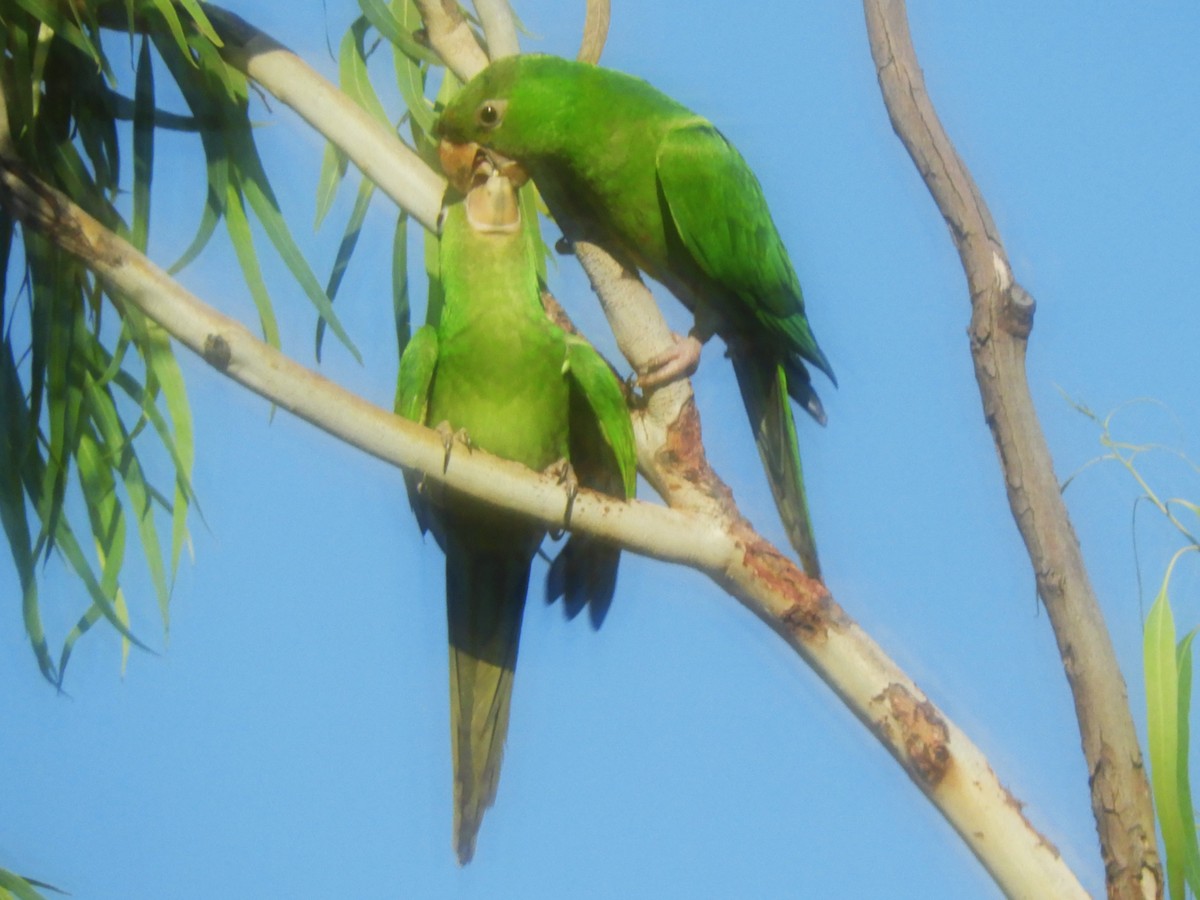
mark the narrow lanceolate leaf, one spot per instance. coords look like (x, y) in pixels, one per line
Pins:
(334, 164)
(164, 377)
(107, 519)
(166, 9)
(16, 445)
(366, 190)
(352, 72)
(388, 24)
(18, 887)
(410, 69)
(1162, 725)
(203, 25)
(252, 181)
(140, 494)
(210, 115)
(56, 289)
(17, 455)
(181, 460)
(400, 302)
(48, 13)
(143, 146)
(1191, 868)
(243, 246)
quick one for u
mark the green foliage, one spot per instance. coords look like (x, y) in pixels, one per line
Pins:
(1168, 674)
(16, 887)
(1168, 668)
(84, 394)
(395, 23)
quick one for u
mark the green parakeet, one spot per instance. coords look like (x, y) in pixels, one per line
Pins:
(495, 370)
(661, 189)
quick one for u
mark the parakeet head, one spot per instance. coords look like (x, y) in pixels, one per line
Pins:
(498, 116)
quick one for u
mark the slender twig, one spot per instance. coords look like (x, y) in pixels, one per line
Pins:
(595, 31)
(1001, 319)
(450, 35)
(499, 27)
(937, 756)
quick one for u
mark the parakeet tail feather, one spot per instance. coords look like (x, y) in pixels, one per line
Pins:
(485, 597)
(765, 392)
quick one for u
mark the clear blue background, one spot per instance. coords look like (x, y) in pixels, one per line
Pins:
(291, 739)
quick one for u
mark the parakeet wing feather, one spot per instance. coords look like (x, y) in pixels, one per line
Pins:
(604, 458)
(413, 383)
(719, 211)
(765, 394)
(598, 385)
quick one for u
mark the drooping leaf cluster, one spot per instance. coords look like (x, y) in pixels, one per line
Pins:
(393, 25)
(91, 394)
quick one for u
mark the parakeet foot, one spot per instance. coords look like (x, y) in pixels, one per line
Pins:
(565, 474)
(449, 436)
(678, 362)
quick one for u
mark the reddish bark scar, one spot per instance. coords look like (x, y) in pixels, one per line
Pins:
(922, 733)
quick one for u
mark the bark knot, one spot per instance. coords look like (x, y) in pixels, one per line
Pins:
(217, 352)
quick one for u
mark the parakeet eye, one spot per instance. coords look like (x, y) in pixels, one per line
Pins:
(490, 113)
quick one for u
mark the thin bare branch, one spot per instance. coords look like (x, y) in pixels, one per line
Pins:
(595, 31)
(450, 35)
(1001, 320)
(938, 757)
(499, 27)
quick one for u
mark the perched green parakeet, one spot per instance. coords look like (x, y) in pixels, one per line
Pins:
(661, 189)
(494, 369)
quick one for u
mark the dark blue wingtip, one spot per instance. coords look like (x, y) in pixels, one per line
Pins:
(800, 389)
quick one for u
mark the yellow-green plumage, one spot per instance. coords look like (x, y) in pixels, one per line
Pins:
(496, 368)
(663, 190)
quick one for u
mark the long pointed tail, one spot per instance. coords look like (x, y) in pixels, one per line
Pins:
(485, 597)
(765, 394)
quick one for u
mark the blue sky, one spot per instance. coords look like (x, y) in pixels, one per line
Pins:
(291, 738)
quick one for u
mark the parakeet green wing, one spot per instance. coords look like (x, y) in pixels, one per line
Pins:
(741, 254)
(603, 458)
(417, 366)
(739, 250)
